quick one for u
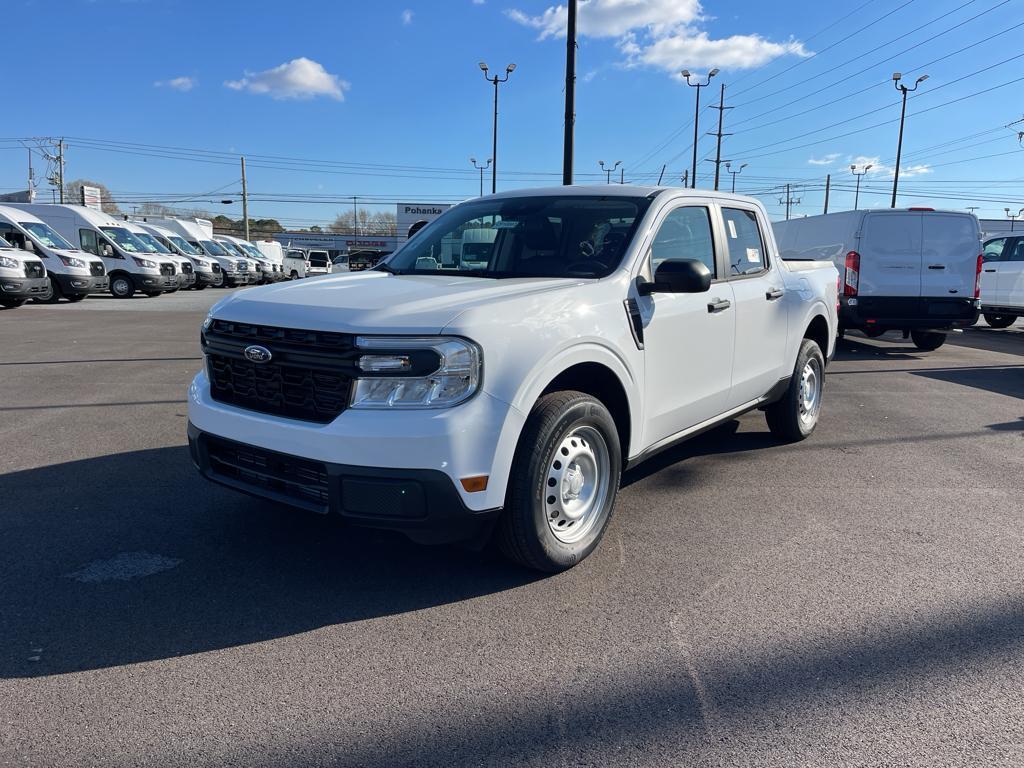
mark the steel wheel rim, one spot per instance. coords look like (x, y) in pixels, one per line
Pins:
(810, 392)
(120, 286)
(576, 484)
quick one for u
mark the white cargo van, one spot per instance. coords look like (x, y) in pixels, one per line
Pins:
(914, 270)
(199, 234)
(1002, 280)
(271, 266)
(207, 271)
(71, 273)
(293, 263)
(130, 265)
(22, 276)
(186, 273)
(265, 268)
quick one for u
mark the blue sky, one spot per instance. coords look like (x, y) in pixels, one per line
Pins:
(330, 99)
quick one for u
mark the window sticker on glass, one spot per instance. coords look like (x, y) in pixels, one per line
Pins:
(732, 228)
(506, 224)
(753, 255)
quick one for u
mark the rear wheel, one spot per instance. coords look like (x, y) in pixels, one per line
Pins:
(564, 479)
(122, 286)
(874, 333)
(1000, 321)
(928, 340)
(795, 416)
(52, 296)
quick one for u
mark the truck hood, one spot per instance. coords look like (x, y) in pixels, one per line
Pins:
(375, 302)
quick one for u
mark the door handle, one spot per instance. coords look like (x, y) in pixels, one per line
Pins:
(774, 293)
(990, 270)
(719, 305)
(936, 266)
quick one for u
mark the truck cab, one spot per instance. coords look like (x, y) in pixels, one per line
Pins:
(129, 264)
(505, 397)
(1002, 280)
(71, 273)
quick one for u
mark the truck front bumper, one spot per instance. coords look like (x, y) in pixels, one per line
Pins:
(24, 287)
(907, 313)
(387, 469)
(205, 278)
(186, 280)
(82, 284)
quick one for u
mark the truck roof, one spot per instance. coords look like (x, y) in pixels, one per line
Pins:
(621, 190)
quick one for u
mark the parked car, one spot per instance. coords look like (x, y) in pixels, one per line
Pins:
(71, 273)
(607, 324)
(22, 276)
(1002, 280)
(207, 270)
(129, 264)
(915, 270)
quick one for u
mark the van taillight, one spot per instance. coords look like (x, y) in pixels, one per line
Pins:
(977, 277)
(852, 274)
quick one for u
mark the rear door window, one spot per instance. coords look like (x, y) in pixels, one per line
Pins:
(746, 245)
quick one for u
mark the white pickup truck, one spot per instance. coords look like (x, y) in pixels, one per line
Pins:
(603, 325)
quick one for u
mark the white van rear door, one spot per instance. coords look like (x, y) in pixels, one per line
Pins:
(890, 254)
(951, 244)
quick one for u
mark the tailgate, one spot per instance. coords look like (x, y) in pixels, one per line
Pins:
(890, 254)
(949, 255)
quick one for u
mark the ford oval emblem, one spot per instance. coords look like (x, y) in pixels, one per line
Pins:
(257, 354)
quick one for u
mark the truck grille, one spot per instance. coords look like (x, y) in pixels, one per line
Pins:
(300, 479)
(186, 269)
(34, 269)
(216, 267)
(242, 266)
(308, 376)
(96, 269)
(167, 269)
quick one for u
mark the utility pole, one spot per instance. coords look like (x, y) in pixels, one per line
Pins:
(245, 201)
(828, 186)
(662, 174)
(685, 178)
(622, 175)
(896, 76)
(60, 168)
(570, 94)
(790, 201)
(31, 178)
(355, 224)
(696, 118)
(718, 145)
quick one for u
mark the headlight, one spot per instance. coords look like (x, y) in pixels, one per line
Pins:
(8, 263)
(71, 261)
(415, 372)
(145, 263)
(208, 321)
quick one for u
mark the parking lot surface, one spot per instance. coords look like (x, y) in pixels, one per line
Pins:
(857, 599)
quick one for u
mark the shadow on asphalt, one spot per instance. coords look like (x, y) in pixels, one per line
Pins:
(1008, 380)
(224, 569)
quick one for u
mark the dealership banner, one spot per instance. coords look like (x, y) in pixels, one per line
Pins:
(408, 214)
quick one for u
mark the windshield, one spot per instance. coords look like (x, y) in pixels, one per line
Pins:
(553, 236)
(155, 245)
(252, 251)
(46, 236)
(184, 245)
(125, 240)
(231, 248)
(213, 248)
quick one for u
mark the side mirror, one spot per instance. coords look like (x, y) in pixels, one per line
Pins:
(679, 276)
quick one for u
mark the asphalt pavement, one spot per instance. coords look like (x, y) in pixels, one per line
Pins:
(854, 600)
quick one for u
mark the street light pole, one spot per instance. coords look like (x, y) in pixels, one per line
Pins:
(853, 170)
(494, 149)
(609, 169)
(696, 119)
(896, 77)
(734, 174)
(481, 168)
(1013, 216)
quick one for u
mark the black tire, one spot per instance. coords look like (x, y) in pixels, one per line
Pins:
(152, 294)
(524, 534)
(75, 297)
(788, 418)
(928, 340)
(199, 287)
(8, 303)
(53, 296)
(874, 333)
(295, 274)
(122, 286)
(1000, 321)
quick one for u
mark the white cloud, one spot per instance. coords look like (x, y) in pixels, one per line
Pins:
(407, 17)
(826, 160)
(300, 78)
(878, 168)
(177, 83)
(478, 2)
(663, 34)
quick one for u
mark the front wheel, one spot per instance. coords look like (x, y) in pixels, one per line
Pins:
(152, 294)
(565, 475)
(75, 297)
(199, 286)
(122, 287)
(52, 296)
(794, 417)
(928, 340)
(1000, 321)
(8, 303)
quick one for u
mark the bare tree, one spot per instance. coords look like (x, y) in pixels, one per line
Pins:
(73, 194)
(370, 222)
